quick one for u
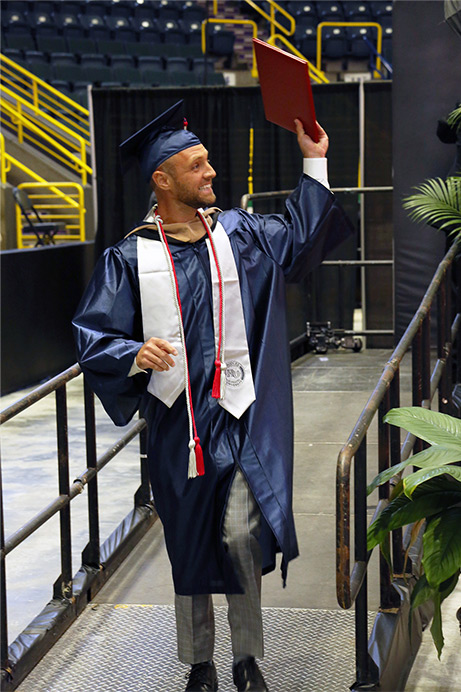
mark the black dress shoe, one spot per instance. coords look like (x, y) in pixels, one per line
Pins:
(202, 678)
(247, 676)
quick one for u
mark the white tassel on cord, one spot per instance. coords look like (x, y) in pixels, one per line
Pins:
(223, 380)
(192, 461)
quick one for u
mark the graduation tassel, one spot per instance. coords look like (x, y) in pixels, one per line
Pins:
(217, 381)
(196, 464)
(223, 380)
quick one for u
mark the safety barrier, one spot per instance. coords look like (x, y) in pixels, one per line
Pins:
(379, 41)
(274, 8)
(55, 202)
(70, 593)
(352, 460)
(315, 74)
(249, 22)
(43, 99)
(53, 143)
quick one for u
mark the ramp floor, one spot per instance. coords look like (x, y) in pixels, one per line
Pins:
(131, 648)
(126, 640)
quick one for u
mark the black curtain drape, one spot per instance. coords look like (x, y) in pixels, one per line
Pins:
(221, 117)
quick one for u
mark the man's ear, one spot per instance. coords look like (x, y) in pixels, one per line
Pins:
(161, 179)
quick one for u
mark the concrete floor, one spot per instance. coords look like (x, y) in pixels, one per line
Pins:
(329, 394)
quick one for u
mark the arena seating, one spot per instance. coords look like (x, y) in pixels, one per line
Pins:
(48, 36)
(71, 44)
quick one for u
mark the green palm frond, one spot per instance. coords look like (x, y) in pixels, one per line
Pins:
(437, 203)
(454, 118)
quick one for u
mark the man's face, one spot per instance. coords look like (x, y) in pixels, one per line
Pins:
(191, 177)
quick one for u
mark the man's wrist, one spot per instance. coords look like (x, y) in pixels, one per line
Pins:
(135, 369)
(317, 168)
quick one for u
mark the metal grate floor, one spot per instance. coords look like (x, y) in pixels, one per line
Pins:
(126, 648)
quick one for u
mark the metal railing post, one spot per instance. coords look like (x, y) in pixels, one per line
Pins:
(453, 305)
(426, 359)
(142, 495)
(63, 585)
(389, 599)
(362, 659)
(3, 613)
(442, 341)
(417, 376)
(456, 272)
(395, 446)
(91, 552)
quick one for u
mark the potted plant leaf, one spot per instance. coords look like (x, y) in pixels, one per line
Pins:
(437, 202)
(430, 499)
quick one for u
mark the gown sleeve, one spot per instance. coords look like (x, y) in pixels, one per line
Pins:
(314, 224)
(108, 335)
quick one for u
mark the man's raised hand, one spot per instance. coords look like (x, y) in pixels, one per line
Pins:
(309, 148)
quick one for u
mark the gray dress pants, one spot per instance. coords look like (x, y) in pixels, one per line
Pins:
(194, 614)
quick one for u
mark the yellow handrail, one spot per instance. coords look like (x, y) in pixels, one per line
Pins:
(7, 161)
(254, 71)
(66, 132)
(379, 40)
(41, 96)
(22, 123)
(58, 211)
(271, 18)
(317, 75)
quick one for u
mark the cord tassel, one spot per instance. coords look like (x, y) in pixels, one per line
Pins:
(199, 457)
(216, 390)
(223, 380)
(196, 465)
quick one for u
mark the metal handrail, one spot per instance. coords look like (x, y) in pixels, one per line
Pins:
(41, 97)
(254, 71)
(56, 127)
(379, 40)
(57, 210)
(7, 161)
(351, 584)
(274, 7)
(285, 193)
(22, 123)
(345, 595)
(70, 593)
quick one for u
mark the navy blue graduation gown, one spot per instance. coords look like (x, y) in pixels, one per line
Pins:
(269, 250)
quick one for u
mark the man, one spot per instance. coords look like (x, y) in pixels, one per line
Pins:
(185, 319)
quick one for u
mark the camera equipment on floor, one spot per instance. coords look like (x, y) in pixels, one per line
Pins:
(321, 336)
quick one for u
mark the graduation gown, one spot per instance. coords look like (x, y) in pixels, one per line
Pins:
(269, 250)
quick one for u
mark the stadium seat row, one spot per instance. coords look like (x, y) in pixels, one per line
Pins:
(325, 10)
(150, 9)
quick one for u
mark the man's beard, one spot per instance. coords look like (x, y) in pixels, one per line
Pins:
(193, 199)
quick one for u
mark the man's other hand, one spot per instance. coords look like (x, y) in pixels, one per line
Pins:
(155, 354)
(309, 148)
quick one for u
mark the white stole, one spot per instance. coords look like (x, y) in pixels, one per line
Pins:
(160, 319)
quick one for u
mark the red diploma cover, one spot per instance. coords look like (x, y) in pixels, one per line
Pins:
(285, 88)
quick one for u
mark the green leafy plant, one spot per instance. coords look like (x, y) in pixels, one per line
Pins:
(438, 203)
(454, 117)
(430, 499)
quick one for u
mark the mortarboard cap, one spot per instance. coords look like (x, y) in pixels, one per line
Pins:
(156, 142)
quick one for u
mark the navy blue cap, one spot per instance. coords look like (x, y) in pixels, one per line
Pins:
(157, 141)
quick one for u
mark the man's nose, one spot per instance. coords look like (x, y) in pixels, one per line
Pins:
(210, 172)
